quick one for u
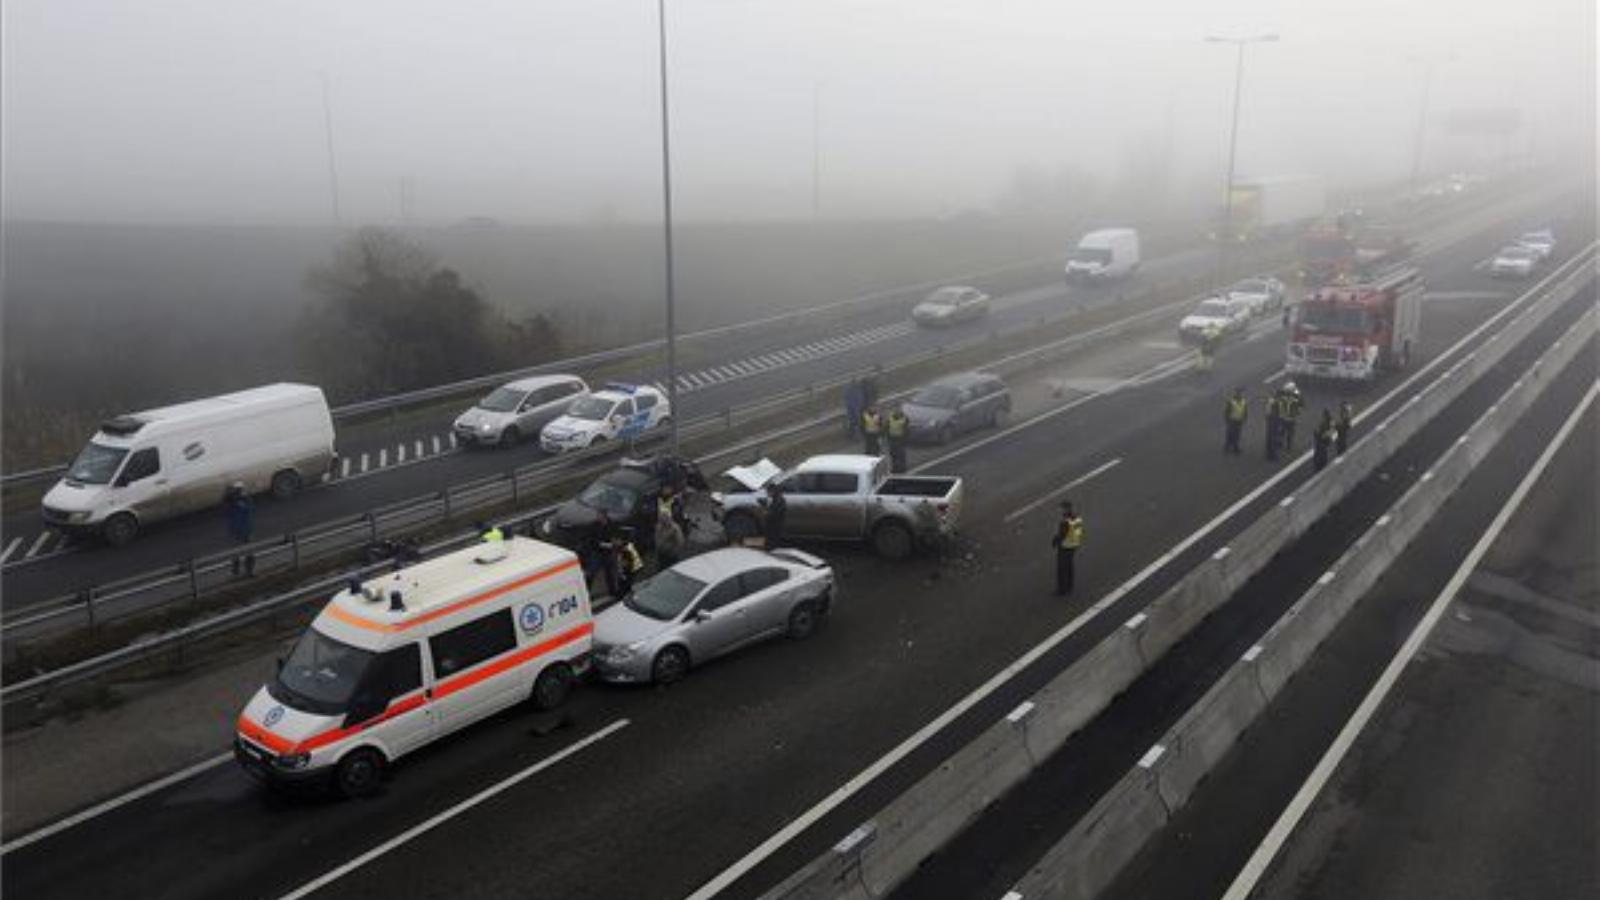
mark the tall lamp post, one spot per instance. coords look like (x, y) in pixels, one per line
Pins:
(666, 210)
(1233, 138)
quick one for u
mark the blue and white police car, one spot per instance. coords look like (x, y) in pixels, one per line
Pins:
(618, 412)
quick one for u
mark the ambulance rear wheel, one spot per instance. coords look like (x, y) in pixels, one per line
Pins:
(552, 687)
(360, 773)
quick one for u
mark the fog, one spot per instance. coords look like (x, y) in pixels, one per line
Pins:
(211, 111)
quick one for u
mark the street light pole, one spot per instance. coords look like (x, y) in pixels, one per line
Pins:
(1233, 143)
(666, 209)
(1422, 125)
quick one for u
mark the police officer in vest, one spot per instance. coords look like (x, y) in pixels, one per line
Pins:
(896, 428)
(1274, 424)
(1289, 407)
(1234, 413)
(1066, 541)
(871, 431)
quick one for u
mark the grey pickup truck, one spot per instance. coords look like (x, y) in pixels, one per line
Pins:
(846, 497)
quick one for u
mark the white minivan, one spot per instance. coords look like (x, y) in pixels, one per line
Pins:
(152, 465)
(1105, 255)
(404, 659)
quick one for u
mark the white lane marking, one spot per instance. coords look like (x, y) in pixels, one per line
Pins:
(344, 467)
(399, 454)
(121, 800)
(847, 790)
(10, 549)
(743, 368)
(364, 462)
(419, 454)
(436, 445)
(1256, 866)
(452, 440)
(38, 544)
(1466, 295)
(427, 825)
(1081, 479)
(1274, 376)
(383, 457)
(722, 373)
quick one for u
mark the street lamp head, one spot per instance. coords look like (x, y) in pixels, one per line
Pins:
(1255, 39)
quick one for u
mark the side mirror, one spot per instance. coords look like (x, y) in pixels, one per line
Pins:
(702, 615)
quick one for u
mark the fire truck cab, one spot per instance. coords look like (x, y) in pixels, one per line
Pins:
(1349, 331)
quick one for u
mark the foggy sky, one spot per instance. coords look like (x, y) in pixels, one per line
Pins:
(211, 110)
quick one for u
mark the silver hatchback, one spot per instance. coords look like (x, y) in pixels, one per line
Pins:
(709, 605)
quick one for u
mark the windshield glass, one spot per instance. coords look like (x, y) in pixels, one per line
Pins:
(320, 675)
(592, 408)
(1324, 317)
(944, 297)
(939, 396)
(665, 595)
(502, 400)
(1091, 255)
(1516, 253)
(612, 499)
(96, 464)
(1212, 309)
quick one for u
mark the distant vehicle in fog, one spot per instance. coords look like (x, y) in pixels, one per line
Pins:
(1541, 242)
(1263, 293)
(1272, 204)
(519, 410)
(951, 306)
(1105, 255)
(141, 468)
(1222, 315)
(956, 404)
(1513, 261)
(617, 412)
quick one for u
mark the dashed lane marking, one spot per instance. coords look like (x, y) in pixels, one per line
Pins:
(10, 549)
(364, 465)
(344, 467)
(38, 544)
(1076, 482)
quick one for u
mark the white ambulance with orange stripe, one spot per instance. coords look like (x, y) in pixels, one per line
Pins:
(407, 658)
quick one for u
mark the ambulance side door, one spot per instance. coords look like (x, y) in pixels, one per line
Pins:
(409, 714)
(468, 685)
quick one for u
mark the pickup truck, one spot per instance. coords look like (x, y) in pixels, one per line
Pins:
(846, 497)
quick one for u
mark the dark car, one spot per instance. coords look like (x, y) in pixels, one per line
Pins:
(627, 495)
(956, 404)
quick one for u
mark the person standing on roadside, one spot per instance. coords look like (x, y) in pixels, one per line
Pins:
(1290, 404)
(1234, 414)
(1342, 426)
(896, 430)
(1067, 539)
(854, 403)
(777, 509)
(241, 512)
(871, 431)
(1322, 441)
(1274, 424)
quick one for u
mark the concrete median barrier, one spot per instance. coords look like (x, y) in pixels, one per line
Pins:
(1205, 733)
(1254, 547)
(1082, 864)
(921, 820)
(835, 875)
(1293, 638)
(1074, 697)
(1170, 617)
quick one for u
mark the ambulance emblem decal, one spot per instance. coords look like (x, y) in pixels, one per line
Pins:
(532, 618)
(273, 717)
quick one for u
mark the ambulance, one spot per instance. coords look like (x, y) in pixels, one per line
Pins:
(401, 660)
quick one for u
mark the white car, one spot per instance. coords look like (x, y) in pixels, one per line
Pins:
(951, 306)
(619, 412)
(1227, 315)
(1263, 293)
(1541, 242)
(517, 410)
(1515, 261)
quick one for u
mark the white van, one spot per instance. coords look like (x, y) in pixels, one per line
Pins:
(156, 464)
(1105, 255)
(404, 659)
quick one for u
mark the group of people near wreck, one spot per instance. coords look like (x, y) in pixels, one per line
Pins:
(1330, 437)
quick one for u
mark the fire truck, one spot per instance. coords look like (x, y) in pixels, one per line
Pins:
(1332, 252)
(1352, 329)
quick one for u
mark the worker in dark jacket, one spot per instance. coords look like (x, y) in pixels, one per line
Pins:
(896, 430)
(1067, 539)
(871, 431)
(1322, 441)
(1274, 421)
(1342, 426)
(777, 509)
(241, 512)
(1234, 414)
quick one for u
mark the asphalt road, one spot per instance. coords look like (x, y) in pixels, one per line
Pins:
(182, 539)
(707, 769)
(1477, 777)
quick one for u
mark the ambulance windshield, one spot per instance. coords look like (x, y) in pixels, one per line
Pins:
(320, 675)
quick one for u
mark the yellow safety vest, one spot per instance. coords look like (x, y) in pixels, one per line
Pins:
(493, 535)
(1072, 533)
(897, 426)
(869, 423)
(1238, 408)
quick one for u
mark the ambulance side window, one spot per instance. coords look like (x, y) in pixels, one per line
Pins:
(402, 668)
(464, 646)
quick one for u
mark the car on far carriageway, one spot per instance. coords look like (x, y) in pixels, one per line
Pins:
(618, 412)
(1542, 242)
(1514, 261)
(1263, 293)
(951, 306)
(518, 410)
(956, 404)
(709, 605)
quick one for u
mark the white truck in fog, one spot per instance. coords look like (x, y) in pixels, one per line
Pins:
(153, 465)
(1104, 255)
(846, 496)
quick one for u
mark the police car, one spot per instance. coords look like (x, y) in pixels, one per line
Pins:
(618, 412)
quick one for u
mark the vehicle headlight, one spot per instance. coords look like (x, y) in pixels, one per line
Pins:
(78, 518)
(547, 527)
(292, 761)
(486, 428)
(621, 653)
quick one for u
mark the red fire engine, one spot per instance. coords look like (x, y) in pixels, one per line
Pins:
(1351, 331)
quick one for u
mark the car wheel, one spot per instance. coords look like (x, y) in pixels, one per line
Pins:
(285, 484)
(739, 527)
(552, 687)
(120, 529)
(670, 665)
(893, 540)
(802, 620)
(511, 437)
(360, 773)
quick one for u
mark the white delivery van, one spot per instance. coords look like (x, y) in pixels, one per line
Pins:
(156, 464)
(1105, 255)
(406, 658)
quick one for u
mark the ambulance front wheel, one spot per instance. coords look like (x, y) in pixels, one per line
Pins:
(552, 687)
(360, 773)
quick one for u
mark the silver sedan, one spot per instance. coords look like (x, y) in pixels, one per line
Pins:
(709, 605)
